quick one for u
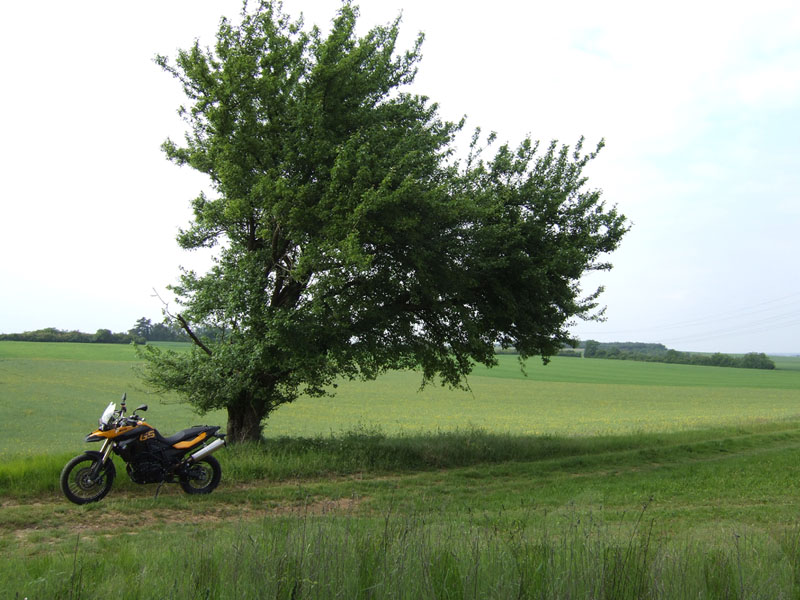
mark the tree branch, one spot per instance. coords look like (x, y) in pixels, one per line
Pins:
(183, 324)
(192, 335)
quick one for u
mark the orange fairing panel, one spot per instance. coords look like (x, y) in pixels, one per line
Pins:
(112, 433)
(190, 443)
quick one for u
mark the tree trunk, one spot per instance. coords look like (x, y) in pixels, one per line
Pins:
(244, 422)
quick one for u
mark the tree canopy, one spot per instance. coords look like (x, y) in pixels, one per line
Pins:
(348, 239)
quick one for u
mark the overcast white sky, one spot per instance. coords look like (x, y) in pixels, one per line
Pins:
(699, 103)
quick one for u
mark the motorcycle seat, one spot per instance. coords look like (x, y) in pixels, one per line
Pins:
(189, 434)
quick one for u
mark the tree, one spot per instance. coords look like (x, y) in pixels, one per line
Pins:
(757, 360)
(104, 336)
(348, 240)
(143, 328)
(592, 348)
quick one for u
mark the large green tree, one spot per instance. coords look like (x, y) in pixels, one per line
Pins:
(348, 239)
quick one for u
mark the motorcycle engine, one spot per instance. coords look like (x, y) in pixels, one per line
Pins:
(146, 462)
(146, 471)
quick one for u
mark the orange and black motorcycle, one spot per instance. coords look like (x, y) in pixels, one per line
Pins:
(149, 457)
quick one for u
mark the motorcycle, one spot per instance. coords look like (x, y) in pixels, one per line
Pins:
(149, 457)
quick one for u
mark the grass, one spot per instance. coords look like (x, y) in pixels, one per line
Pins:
(696, 514)
(787, 363)
(55, 392)
(371, 451)
(587, 479)
(406, 557)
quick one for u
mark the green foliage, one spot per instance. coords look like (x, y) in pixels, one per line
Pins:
(754, 360)
(143, 328)
(660, 353)
(158, 332)
(348, 242)
(51, 334)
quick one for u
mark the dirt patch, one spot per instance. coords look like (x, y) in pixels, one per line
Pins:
(319, 507)
(105, 521)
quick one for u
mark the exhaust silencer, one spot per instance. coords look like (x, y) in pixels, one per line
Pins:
(203, 452)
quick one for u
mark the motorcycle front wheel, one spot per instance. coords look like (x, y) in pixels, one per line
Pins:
(77, 482)
(202, 477)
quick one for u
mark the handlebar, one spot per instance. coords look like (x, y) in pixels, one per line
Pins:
(120, 420)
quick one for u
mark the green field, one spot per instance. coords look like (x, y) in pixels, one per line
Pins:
(59, 390)
(584, 479)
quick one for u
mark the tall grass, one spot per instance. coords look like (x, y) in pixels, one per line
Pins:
(370, 450)
(410, 556)
(557, 519)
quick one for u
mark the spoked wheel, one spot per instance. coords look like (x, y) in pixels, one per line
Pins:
(202, 477)
(78, 484)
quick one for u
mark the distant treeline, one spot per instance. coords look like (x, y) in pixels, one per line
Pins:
(143, 331)
(51, 334)
(660, 353)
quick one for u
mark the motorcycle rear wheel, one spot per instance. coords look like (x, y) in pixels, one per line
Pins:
(77, 483)
(202, 477)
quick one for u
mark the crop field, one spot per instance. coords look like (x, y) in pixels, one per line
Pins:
(59, 390)
(585, 478)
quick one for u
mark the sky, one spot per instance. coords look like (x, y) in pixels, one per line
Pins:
(698, 103)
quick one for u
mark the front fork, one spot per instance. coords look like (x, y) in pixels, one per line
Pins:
(108, 445)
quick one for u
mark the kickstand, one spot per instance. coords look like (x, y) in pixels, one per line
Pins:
(158, 489)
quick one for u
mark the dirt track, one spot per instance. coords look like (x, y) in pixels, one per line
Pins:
(57, 516)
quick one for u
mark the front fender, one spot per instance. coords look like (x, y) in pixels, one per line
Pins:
(108, 467)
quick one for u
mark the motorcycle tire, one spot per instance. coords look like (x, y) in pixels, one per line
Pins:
(202, 477)
(76, 483)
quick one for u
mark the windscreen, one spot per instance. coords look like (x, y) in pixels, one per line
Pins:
(108, 413)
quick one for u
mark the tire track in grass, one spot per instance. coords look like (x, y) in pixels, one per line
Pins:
(130, 510)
